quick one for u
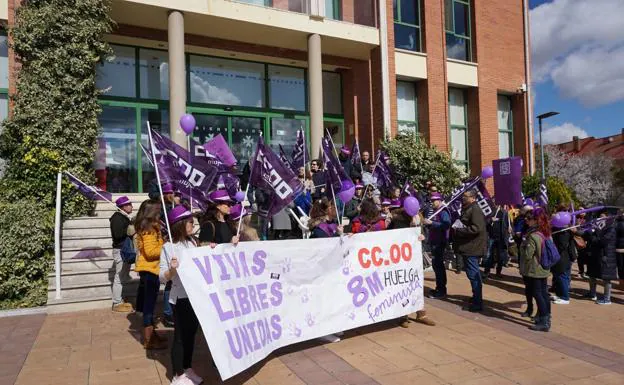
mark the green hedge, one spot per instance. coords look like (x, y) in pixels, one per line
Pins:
(558, 191)
(26, 252)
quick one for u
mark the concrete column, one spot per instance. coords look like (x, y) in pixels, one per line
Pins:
(177, 77)
(315, 92)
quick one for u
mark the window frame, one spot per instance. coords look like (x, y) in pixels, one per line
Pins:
(463, 128)
(467, 38)
(415, 122)
(397, 20)
(510, 126)
(267, 114)
(338, 7)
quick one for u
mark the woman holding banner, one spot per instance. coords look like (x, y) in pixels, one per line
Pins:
(214, 228)
(149, 242)
(369, 219)
(322, 222)
(186, 323)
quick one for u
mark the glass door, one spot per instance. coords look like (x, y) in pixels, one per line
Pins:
(284, 132)
(245, 132)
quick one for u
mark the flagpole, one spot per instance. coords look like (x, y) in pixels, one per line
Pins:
(240, 220)
(360, 153)
(90, 187)
(188, 138)
(447, 204)
(305, 147)
(372, 174)
(162, 197)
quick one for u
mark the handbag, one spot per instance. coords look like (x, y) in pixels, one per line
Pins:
(580, 242)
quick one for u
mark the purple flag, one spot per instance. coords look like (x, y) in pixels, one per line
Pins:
(300, 154)
(90, 192)
(454, 203)
(271, 175)
(285, 160)
(229, 182)
(356, 156)
(191, 175)
(508, 181)
(408, 190)
(383, 172)
(543, 195)
(217, 147)
(335, 173)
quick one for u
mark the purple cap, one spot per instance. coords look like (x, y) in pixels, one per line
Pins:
(177, 193)
(359, 186)
(395, 204)
(178, 214)
(436, 196)
(220, 196)
(237, 211)
(345, 150)
(167, 188)
(386, 202)
(123, 201)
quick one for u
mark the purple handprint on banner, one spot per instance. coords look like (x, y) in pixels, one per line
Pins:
(305, 298)
(287, 265)
(309, 318)
(294, 330)
(351, 315)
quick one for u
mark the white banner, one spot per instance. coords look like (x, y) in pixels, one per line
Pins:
(256, 297)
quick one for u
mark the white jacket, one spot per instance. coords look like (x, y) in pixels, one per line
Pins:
(170, 250)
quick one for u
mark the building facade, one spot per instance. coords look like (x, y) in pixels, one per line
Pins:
(451, 71)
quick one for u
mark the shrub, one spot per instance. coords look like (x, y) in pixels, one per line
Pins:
(558, 192)
(413, 160)
(26, 252)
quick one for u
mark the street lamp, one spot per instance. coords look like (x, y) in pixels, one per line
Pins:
(540, 117)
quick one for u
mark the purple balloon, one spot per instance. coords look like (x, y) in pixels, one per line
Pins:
(411, 206)
(187, 122)
(487, 172)
(561, 219)
(240, 196)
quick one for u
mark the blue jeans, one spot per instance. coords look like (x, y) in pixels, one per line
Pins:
(474, 276)
(149, 295)
(167, 309)
(562, 283)
(439, 268)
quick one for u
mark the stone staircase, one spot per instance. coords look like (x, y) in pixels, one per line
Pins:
(87, 261)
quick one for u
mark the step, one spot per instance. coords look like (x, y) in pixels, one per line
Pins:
(92, 232)
(94, 290)
(86, 223)
(86, 243)
(65, 305)
(106, 206)
(88, 252)
(86, 264)
(86, 277)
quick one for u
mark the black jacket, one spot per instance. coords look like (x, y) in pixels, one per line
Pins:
(619, 233)
(319, 181)
(567, 250)
(498, 229)
(472, 239)
(119, 229)
(602, 260)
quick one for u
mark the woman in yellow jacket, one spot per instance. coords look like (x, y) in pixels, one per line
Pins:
(149, 245)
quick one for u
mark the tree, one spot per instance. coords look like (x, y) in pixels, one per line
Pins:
(590, 176)
(54, 127)
(558, 191)
(412, 159)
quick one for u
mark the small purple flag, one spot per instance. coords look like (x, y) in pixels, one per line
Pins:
(356, 156)
(383, 172)
(228, 182)
(90, 192)
(543, 195)
(191, 175)
(285, 160)
(335, 173)
(454, 203)
(508, 181)
(217, 147)
(408, 190)
(300, 154)
(271, 175)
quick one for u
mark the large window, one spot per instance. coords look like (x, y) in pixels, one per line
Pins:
(457, 20)
(332, 9)
(154, 74)
(332, 93)
(407, 107)
(459, 126)
(407, 24)
(118, 77)
(287, 89)
(505, 127)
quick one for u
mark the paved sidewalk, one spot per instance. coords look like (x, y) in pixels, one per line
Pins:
(586, 346)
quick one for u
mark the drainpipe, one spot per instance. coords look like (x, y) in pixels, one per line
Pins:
(527, 68)
(385, 72)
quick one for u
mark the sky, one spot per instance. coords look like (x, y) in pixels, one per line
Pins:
(577, 54)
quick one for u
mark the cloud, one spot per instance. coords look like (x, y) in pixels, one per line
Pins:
(561, 134)
(576, 43)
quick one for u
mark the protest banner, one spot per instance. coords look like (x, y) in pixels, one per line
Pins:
(256, 297)
(508, 181)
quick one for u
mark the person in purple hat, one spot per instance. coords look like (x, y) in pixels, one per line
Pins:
(248, 232)
(385, 209)
(186, 323)
(352, 208)
(439, 227)
(119, 223)
(214, 227)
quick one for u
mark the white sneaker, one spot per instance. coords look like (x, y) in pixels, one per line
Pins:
(560, 301)
(190, 373)
(181, 380)
(332, 338)
(553, 297)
